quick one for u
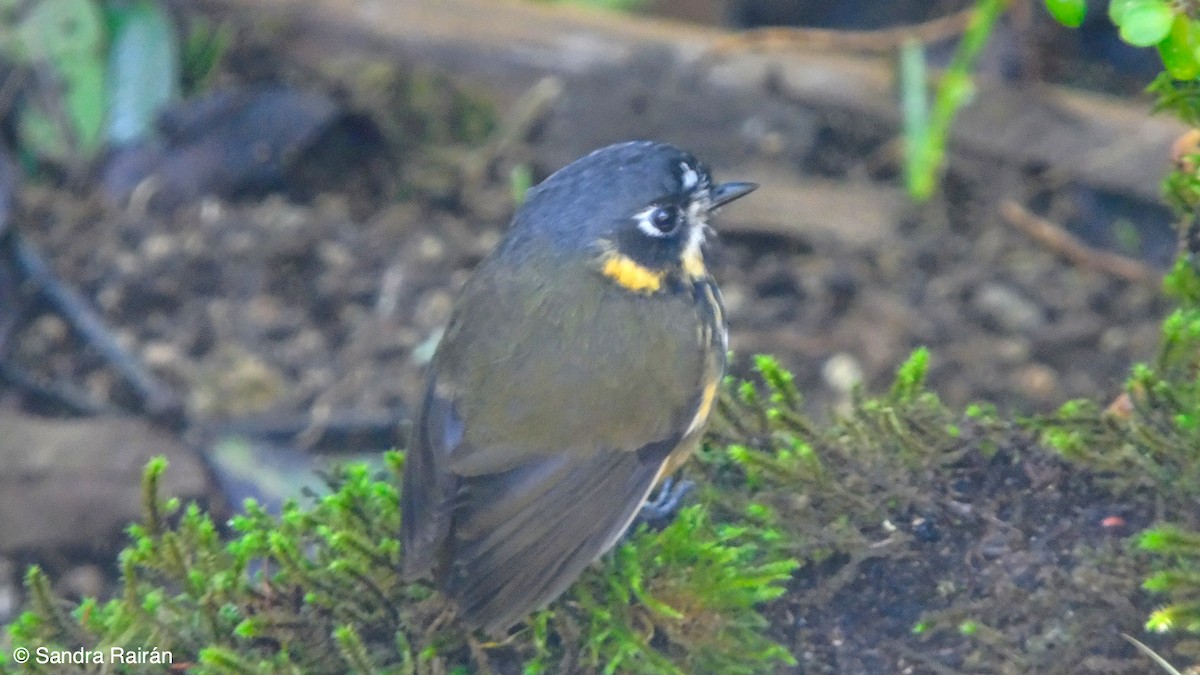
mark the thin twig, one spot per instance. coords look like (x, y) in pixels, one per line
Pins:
(1153, 655)
(480, 655)
(1053, 236)
(156, 398)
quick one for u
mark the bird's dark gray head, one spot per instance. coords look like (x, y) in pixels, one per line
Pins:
(641, 207)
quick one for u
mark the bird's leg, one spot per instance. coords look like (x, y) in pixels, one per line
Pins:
(659, 510)
(480, 656)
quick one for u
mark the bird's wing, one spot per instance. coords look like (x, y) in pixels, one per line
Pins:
(533, 451)
(521, 537)
(504, 543)
(425, 500)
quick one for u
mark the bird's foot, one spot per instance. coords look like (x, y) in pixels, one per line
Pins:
(660, 510)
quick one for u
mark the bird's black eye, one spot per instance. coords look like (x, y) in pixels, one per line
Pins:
(658, 221)
(663, 219)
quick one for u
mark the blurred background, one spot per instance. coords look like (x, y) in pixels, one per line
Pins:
(232, 231)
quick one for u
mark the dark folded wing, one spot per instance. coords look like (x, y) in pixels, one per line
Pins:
(428, 487)
(522, 536)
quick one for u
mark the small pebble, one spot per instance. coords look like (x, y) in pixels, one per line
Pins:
(160, 354)
(925, 530)
(157, 246)
(841, 372)
(1037, 380)
(434, 308)
(335, 255)
(430, 248)
(84, 581)
(1114, 339)
(51, 329)
(1012, 311)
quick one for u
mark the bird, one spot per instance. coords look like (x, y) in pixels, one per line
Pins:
(578, 370)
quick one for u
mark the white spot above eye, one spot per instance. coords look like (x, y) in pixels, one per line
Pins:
(647, 227)
(690, 177)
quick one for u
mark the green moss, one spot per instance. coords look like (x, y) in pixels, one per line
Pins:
(316, 590)
(780, 501)
(1150, 439)
(1178, 97)
(820, 493)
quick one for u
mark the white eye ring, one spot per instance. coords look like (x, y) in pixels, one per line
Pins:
(658, 221)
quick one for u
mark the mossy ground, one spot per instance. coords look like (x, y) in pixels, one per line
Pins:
(957, 538)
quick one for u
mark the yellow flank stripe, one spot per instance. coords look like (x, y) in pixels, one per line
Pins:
(693, 265)
(718, 315)
(705, 407)
(681, 453)
(630, 275)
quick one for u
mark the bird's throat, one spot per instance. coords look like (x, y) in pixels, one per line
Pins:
(637, 278)
(631, 275)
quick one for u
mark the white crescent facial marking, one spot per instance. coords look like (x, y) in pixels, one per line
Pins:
(695, 238)
(697, 220)
(647, 227)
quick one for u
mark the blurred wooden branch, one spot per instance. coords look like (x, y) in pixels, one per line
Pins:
(605, 59)
(1054, 237)
(882, 41)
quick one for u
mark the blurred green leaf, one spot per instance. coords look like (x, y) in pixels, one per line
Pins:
(1178, 51)
(204, 46)
(54, 30)
(1067, 12)
(143, 69)
(1118, 8)
(914, 103)
(521, 179)
(1144, 23)
(925, 142)
(63, 40)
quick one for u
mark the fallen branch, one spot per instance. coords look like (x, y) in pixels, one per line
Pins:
(156, 398)
(883, 41)
(504, 48)
(1053, 236)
